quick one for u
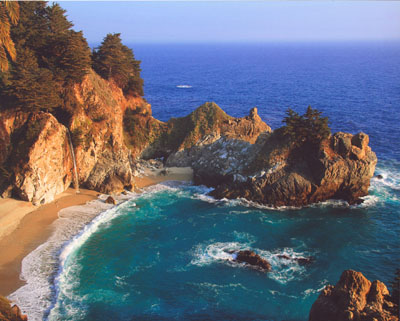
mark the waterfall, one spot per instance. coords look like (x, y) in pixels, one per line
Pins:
(71, 147)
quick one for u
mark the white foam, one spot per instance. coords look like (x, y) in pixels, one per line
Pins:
(283, 270)
(183, 86)
(39, 268)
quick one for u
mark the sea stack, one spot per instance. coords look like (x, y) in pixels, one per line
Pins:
(355, 298)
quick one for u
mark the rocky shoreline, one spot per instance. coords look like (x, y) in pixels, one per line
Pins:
(239, 157)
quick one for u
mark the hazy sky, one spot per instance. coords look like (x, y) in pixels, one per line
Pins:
(239, 21)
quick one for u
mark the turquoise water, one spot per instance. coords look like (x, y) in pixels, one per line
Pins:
(164, 258)
(161, 256)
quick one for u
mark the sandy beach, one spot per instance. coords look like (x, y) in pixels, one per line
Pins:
(23, 226)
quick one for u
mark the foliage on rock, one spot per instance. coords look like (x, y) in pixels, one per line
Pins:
(113, 60)
(309, 128)
(51, 58)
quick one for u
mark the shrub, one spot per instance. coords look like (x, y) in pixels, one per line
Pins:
(309, 128)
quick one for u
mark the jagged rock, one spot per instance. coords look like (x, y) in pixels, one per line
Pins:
(354, 298)
(379, 176)
(110, 200)
(253, 259)
(203, 126)
(337, 170)
(39, 160)
(104, 162)
(10, 313)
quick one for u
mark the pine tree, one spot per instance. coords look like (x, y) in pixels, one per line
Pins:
(309, 128)
(33, 88)
(113, 60)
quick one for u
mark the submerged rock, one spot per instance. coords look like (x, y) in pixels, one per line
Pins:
(253, 259)
(354, 298)
(299, 260)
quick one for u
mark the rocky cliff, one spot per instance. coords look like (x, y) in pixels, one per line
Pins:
(273, 171)
(36, 160)
(239, 157)
(355, 298)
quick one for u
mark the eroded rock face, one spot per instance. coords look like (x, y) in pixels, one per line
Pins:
(274, 172)
(104, 162)
(39, 161)
(36, 161)
(354, 298)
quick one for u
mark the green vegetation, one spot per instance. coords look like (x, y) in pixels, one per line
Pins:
(307, 129)
(52, 58)
(113, 60)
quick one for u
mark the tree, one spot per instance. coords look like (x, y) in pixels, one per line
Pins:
(113, 60)
(309, 128)
(9, 15)
(33, 88)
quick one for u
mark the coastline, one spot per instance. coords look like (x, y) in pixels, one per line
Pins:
(35, 224)
(33, 229)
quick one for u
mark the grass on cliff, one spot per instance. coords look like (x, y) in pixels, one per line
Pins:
(184, 132)
(177, 133)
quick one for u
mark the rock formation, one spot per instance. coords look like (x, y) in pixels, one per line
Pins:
(355, 298)
(252, 259)
(273, 171)
(239, 157)
(10, 313)
(38, 155)
(36, 161)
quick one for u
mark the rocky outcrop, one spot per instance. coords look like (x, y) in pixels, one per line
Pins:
(203, 126)
(355, 298)
(36, 161)
(10, 313)
(239, 157)
(253, 259)
(103, 160)
(273, 171)
(340, 168)
(39, 162)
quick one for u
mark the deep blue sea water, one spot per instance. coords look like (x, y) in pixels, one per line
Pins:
(163, 254)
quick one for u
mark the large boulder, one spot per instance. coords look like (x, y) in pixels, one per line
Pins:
(354, 298)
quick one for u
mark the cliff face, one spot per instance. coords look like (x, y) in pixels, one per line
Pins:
(355, 298)
(240, 157)
(36, 161)
(281, 174)
(273, 171)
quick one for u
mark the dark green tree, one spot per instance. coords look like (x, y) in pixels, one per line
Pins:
(113, 60)
(309, 128)
(32, 88)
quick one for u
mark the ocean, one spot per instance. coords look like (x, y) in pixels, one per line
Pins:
(163, 254)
